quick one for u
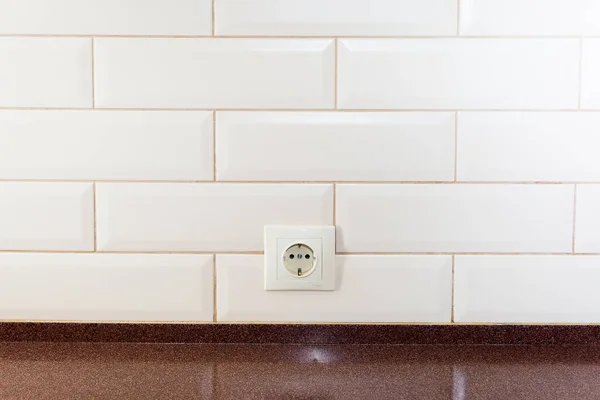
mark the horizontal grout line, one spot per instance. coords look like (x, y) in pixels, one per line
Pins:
(134, 252)
(222, 182)
(312, 110)
(314, 37)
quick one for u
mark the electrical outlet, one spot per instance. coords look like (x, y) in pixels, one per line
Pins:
(299, 258)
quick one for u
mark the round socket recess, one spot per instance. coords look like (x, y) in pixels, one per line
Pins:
(299, 260)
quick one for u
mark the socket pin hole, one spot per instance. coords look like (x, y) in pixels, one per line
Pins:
(291, 256)
(307, 256)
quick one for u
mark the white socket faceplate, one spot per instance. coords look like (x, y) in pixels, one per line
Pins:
(314, 273)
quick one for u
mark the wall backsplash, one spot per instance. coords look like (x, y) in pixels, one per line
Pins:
(454, 144)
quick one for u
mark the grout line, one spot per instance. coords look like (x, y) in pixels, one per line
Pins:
(211, 253)
(455, 146)
(580, 72)
(223, 182)
(314, 110)
(214, 115)
(452, 307)
(313, 37)
(214, 288)
(93, 76)
(335, 77)
(95, 218)
(213, 18)
(574, 216)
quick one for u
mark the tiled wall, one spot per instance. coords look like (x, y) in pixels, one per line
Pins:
(144, 144)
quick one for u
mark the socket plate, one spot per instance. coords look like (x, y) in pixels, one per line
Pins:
(320, 239)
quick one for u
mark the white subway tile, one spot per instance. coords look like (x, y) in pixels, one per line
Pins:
(46, 216)
(587, 220)
(590, 80)
(324, 146)
(523, 289)
(369, 289)
(106, 17)
(45, 72)
(336, 17)
(214, 73)
(528, 146)
(203, 217)
(458, 73)
(114, 287)
(106, 145)
(454, 218)
(529, 17)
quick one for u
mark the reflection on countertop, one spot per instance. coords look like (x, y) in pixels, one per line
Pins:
(195, 371)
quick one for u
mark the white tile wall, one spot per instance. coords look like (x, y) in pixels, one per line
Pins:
(336, 17)
(590, 81)
(433, 126)
(369, 289)
(46, 216)
(455, 218)
(214, 73)
(45, 72)
(458, 73)
(117, 145)
(587, 221)
(297, 146)
(115, 287)
(529, 17)
(203, 217)
(106, 17)
(528, 146)
(517, 289)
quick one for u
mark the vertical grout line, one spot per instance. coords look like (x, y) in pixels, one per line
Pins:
(213, 18)
(457, 17)
(95, 218)
(574, 217)
(580, 71)
(452, 300)
(214, 288)
(455, 145)
(214, 116)
(93, 77)
(335, 77)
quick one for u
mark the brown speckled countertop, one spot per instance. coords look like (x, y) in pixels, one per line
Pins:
(208, 371)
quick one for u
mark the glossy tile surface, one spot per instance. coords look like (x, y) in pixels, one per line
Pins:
(46, 216)
(324, 146)
(73, 371)
(109, 287)
(529, 17)
(214, 73)
(528, 146)
(203, 217)
(112, 17)
(587, 220)
(458, 73)
(454, 218)
(368, 289)
(590, 80)
(107, 145)
(527, 289)
(45, 72)
(336, 17)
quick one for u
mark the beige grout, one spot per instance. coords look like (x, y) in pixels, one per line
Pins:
(574, 216)
(225, 182)
(211, 253)
(458, 9)
(336, 73)
(452, 299)
(214, 288)
(334, 204)
(314, 110)
(213, 18)
(311, 37)
(214, 115)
